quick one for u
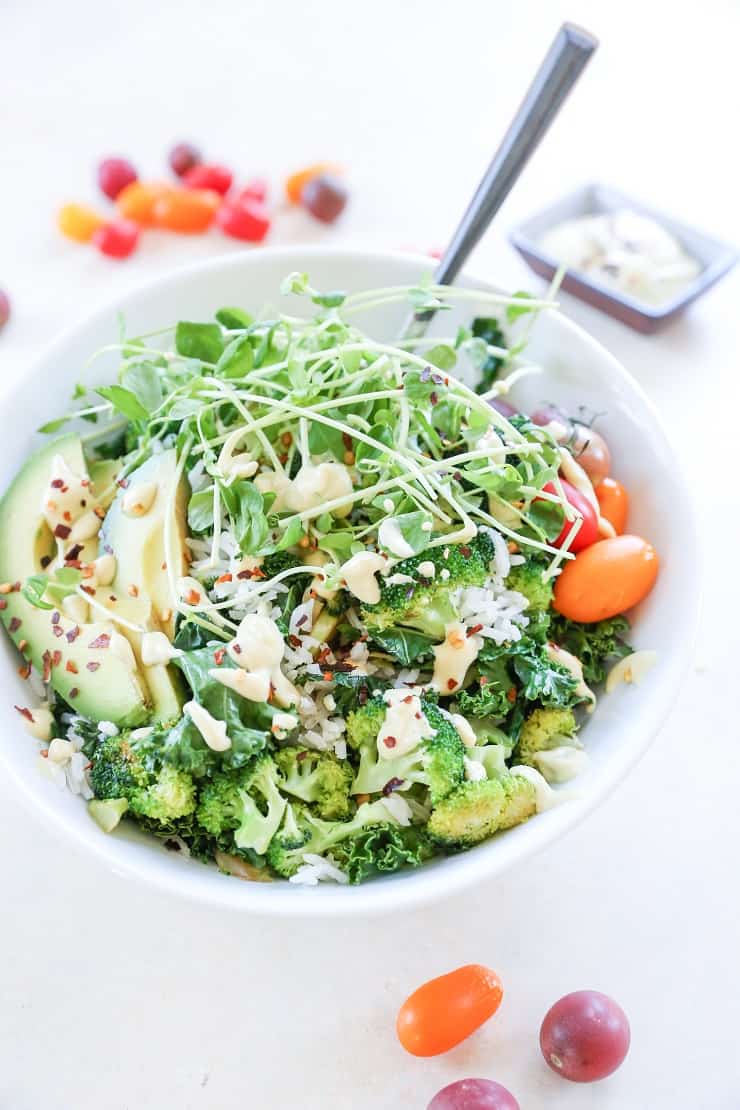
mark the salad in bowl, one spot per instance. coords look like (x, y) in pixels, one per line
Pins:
(318, 604)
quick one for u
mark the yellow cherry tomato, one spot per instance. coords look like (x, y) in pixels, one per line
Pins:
(79, 222)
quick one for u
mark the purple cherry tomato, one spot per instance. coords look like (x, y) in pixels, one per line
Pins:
(183, 157)
(474, 1094)
(325, 197)
(502, 406)
(585, 1036)
(4, 308)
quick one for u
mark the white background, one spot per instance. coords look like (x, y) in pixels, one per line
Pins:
(115, 998)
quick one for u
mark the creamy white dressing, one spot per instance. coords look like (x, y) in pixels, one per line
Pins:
(359, 575)
(573, 664)
(314, 485)
(474, 771)
(277, 482)
(427, 569)
(561, 764)
(453, 657)
(121, 648)
(404, 725)
(212, 730)
(235, 466)
(632, 669)
(258, 649)
(40, 724)
(67, 495)
(85, 527)
(391, 537)
(625, 251)
(464, 730)
(138, 500)
(104, 569)
(156, 649)
(252, 685)
(545, 797)
(60, 751)
(283, 723)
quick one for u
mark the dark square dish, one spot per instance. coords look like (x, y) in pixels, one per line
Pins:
(715, 257)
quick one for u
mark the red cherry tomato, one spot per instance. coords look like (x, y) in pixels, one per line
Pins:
(204, 176)
(257, 189)
(244, 219)
(585, 1036)
(183, 157)
(606, 579)
(613, 503)
(4, 308)
(588, 533)
(114, 174)
(117, 239)
(446, 1010)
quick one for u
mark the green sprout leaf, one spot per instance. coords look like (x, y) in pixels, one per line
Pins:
(201, 341)
(124, 401)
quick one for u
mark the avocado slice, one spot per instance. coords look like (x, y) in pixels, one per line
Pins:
(138, 544)
(87, 664)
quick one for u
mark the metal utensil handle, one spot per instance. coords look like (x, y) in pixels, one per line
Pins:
(562, 66)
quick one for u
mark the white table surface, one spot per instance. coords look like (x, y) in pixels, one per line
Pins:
(115, 998)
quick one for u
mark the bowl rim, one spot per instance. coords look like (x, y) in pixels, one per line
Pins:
(726, 253)
(410, 889)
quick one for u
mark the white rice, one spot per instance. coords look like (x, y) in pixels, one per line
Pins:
(318, 869)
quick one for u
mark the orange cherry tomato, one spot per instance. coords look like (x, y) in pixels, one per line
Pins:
(189, 211)
(606, 579)
(614, 503)
(295, 183)
(79, 222)
(446, 1010)
(137, 201)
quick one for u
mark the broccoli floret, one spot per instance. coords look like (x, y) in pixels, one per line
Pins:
(124, 768)
(363, 724)
(543, 729)
(302, 832)
(437, 762)
(318, 778)
(529, 579)
(243, 806)
(477, 810)
(426, 604)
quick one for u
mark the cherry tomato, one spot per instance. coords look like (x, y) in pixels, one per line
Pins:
(502, 406)
(136, 202)
(607, 578)
(585, 1036)
(244, 219)
(183, 157)
(78, 222)
(325, 197)
(257, 189)
(549, 413)
(4, 308)
(186, 210)
(117, 239)
(590, 449)
(114, 174)
(588, 533)
(613, 503)
(474, 1094)
(203, 176)
(295, 183)
(446, 1010)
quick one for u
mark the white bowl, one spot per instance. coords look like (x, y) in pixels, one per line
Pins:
(577, 371)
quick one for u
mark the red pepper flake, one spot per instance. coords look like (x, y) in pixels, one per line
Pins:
(236, 648)
(218, 656)
(258, 572)
(300, 756)
(85, 483)
(45, 560)
(62, 531)
(482, 681)
(73, 634)
(286, 439)
(67, 516)
(418, 716)
(301, 620)
(347, 441)
(24, 712)
(73, 553)
(451, 684)
(101, 641)
(14, 625)
(3, 603)
(55, 617)
(74, 692)
(242, 574)
(56, 658)
(294, 641)
(46, 660)
(433, 398)
(225, 578)
(87, 572)
(56, 483)
(192, 597)
(511, 694)
(390, 741)
(89, 590)
(328, 676)
(113, 598)
(25, 670)
(92, 665)
(473, 629)
(99, 512)
(408, 699)
(465, 551)
(122, 482)
(71, 666)
(133, 591)
(57, 630)
(391, 785)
